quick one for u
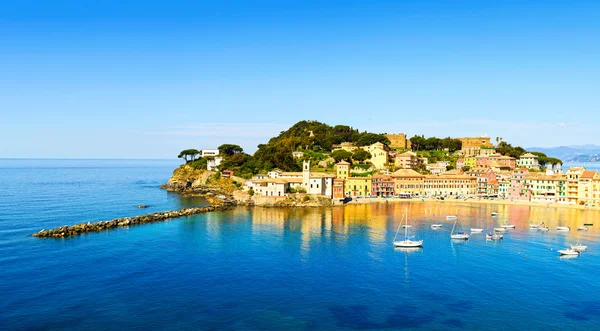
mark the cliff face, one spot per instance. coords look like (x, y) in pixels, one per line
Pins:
(186, 178)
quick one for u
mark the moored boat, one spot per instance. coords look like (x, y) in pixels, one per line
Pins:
(579, 247)
(568, 251)
(406, 243)
(582, 228)
(460, 235)
(563, 228)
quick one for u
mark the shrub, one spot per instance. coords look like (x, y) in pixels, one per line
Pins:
(301, 190)
(251, 192)
(306, 198)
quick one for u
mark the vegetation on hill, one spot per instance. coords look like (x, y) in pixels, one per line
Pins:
(420, 143)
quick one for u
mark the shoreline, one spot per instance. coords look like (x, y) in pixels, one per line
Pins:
(478, 201)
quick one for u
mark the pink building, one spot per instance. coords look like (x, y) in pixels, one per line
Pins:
(460, 163)
(382, 186)
(517, 191)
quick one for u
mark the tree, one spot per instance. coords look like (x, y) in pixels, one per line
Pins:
(340, 155)
(417, 143)
(361, 155)
(367, 139)
(235, 161)
(189, 155)
(229, 149)
(465, 168)
(450, 167)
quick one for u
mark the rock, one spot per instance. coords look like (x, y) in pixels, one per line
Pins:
(142, 206)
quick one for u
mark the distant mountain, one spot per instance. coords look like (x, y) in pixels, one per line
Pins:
(571, 154)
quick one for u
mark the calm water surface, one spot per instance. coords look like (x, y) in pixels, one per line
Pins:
(256, 268)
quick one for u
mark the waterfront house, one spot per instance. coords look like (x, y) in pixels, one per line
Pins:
(342, 169)
(503, 187)
(517, 191)
(487, 184)
(449, 185)
(587, 188)
(382, 186)
(546, 189)
(278, 182)
(408, 182)
(573, 175)
(358, 186)
(213, 163)
(338, 188)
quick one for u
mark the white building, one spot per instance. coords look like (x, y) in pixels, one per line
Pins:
(528, 161)
(210, 152)
(277, 183)
(213, 164)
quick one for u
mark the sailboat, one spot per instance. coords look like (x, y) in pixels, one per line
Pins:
(492, 235)
(534, 226)
(506, 225)
(406, 242)
(458, 235)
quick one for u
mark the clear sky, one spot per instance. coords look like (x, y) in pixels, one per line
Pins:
(145, 79)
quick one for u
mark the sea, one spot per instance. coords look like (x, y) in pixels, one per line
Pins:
(253, 268)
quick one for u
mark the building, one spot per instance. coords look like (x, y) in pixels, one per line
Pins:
(382, 186)
(587, 189)
(358, 186)
(517, 191)
(503, 188)
(407, 160)
(338, 188)
(573, 175)
(213, 163)
(278, 182)
(546, 189)
(379, 155)
(487, 184)
(449, 185)
(487, 151)
(298, 154)
(398, 140)
(408, 182)
(227, 173)
(346, 146)
(342, 169)
(460, 163)
(528, 161)
(209, 152)
(470, 161)
(438, 167)
(472, 146)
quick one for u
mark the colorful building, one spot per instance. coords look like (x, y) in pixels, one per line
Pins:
(408, 182)
(472, 146)
(573, 175)
(407, 160)
(587, 188)
(338, 188)
(517, 191)
(449, 185)
(358, 186)
(470, 161)
(342, 169)
(546, 188)
(379, 155)
(398, 140)
(528, 161)
(382, 186)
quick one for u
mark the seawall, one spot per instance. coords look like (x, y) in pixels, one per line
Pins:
(78, 229)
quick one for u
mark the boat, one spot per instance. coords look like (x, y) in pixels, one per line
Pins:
(568, 251)
(494, 214)
(475, 230)
(500, 229)
(582, 228)
(507, 226)
(493, 236)
(436, 226)
(460, 235)
(579, 247)
(563, 228)
(406, 242)
(451, 218)
(543, 228)
(533, 226)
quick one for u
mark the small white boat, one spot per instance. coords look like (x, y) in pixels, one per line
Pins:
(543, 229)
(507, 226)
(493, 236)
(406, 243)
(582, 228)
(451, 218)
(568, 251)
(563, 228)
(500, 229)
(533, 226)
(474, 230)
(494, 214)
(579, 248)
(460, 235)
(436, 226)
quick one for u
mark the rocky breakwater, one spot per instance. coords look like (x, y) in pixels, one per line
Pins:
(77, 229)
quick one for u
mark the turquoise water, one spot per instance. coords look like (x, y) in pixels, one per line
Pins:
(257, 268)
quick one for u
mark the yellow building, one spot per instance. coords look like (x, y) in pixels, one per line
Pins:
(346, 146)
(588, 188)
(358, 186)
(573, 175)
(398, 140)
(471, 162)
(450, 185)
(379, 155)
(342, 170)
(408, 182)
(472, 145)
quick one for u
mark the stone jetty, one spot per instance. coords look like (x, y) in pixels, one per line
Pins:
(75, 230)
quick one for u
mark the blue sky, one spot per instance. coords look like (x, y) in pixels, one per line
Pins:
(145, 79)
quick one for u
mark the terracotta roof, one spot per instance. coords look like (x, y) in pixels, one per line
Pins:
(407, 154)
(529, 155)
(506, 157)
(406, 173)
(589, 174)
(442, 177)
(321, 175)
(279, 180)
(343, 162)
